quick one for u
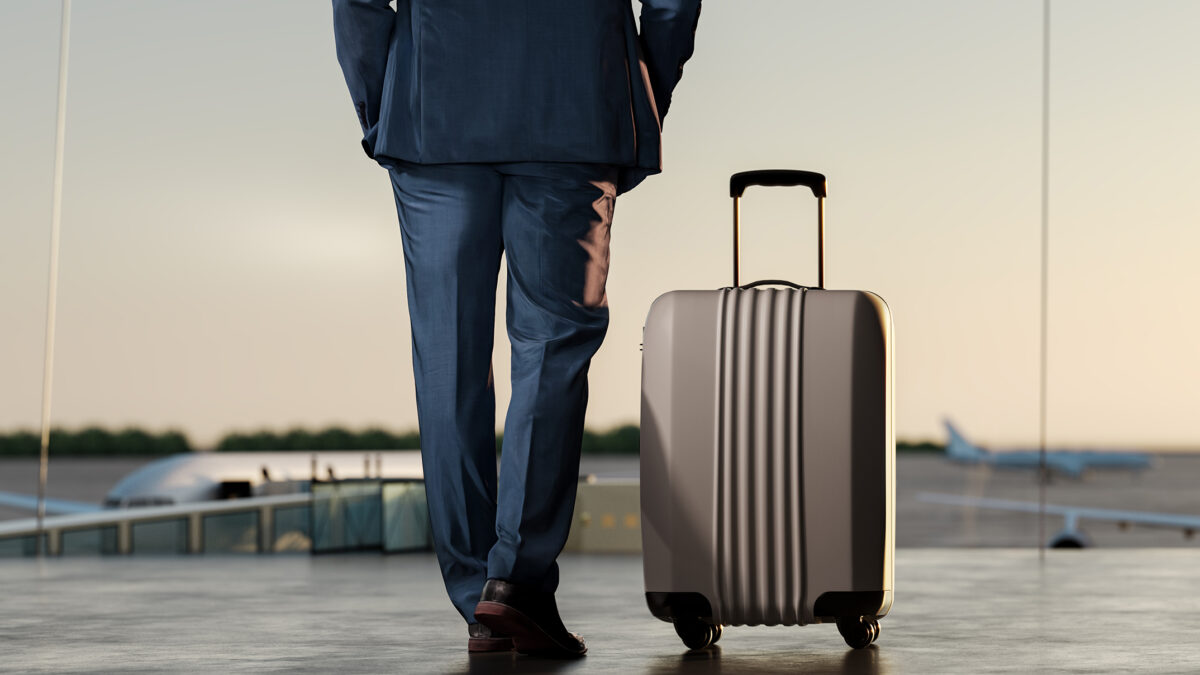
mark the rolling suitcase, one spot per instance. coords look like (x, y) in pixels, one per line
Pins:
(767, 452)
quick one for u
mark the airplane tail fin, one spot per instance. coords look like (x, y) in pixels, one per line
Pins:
(960, 449)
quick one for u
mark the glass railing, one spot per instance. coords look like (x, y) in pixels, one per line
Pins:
(346, 516)
(354, 515)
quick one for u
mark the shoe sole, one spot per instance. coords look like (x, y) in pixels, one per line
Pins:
(489, 644)
(527, 635)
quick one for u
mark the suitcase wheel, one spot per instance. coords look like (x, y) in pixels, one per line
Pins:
(696, 634)
(858, 631)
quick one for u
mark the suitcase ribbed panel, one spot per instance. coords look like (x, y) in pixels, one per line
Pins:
(759, 523)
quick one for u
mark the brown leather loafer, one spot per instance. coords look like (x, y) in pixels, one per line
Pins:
(530, 616)
(482, 639)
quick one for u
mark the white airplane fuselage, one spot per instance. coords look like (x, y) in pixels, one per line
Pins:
(202, 476)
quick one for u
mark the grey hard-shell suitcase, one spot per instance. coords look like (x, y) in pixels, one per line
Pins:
(767, 452)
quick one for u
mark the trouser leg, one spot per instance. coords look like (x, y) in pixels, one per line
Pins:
(449, 218)
(556, 220)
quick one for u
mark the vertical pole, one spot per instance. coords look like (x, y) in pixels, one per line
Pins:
(1043, 477)
(52, 286)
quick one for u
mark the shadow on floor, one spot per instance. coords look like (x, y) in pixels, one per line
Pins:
(853, 662)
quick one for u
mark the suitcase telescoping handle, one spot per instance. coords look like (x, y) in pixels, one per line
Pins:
(738, 183)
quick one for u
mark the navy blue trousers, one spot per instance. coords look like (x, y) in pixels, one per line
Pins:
(551, 222)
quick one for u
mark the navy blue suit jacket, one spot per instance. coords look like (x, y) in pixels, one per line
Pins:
(465, 81)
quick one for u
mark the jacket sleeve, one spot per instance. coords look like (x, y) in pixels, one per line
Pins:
(362, 31)
(668, 33)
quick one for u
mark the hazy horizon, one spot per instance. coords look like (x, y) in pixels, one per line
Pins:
(231, 260)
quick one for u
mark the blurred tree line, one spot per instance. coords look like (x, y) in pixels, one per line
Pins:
(919, 446)
(333, 438)
(619, 441)
(95, 441)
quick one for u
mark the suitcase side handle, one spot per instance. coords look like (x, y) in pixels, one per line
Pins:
(812, 180)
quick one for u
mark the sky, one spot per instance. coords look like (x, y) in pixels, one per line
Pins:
(231, 261)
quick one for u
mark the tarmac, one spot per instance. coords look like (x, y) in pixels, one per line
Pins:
(1169, 486)
(955, 611)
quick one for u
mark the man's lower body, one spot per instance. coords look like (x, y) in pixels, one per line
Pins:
(551, 221)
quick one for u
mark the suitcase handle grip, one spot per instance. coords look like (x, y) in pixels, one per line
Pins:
(812, 180)
(738, 183)
(773, 282)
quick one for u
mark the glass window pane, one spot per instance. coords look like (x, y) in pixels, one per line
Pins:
(346, 516)
(405, 517)
(231, 532)
(293, 529)
(90, 541)
(160, 536)
(16, 547)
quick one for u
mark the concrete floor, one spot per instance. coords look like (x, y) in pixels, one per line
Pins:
(956, 611)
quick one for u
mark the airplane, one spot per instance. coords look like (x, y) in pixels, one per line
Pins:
(1071, 463)
(53, 506)
(1072, 535)
(204, 476)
